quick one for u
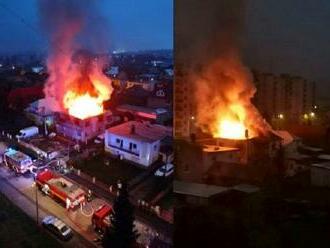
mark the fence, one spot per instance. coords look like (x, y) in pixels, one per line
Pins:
(139, 203)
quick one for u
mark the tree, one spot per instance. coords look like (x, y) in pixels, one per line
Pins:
(121, 233)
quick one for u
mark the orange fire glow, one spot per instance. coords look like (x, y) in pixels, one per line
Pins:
(83, 106)
(232, 124)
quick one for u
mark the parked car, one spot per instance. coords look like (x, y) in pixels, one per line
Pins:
(99, 139)
(165, 171)
(57, 227)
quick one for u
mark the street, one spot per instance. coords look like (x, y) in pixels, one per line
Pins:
(21, 191)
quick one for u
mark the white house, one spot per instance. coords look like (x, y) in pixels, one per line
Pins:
(40, 113)
(136, 141)
(81, 130)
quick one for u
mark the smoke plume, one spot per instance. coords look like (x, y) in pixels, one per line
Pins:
(208, 43)
(73, 27)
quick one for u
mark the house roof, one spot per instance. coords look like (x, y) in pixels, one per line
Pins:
(198, 189)
(214, 148)
(324, 156)
(141, 131)
(287, 138)
(325, 165)
(246, 188)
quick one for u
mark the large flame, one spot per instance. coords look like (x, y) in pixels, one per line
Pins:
(232, 125)
(76, 81)
(83, 106)
(224, 108)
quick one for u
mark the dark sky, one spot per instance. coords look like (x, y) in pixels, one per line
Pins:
(134, 25)
(289, 36)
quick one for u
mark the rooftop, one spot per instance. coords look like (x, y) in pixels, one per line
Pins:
(246, 188)
(198, 189)
(141, 131)
(215, 148)
(325, 165)
(129, 107)
(16, 155)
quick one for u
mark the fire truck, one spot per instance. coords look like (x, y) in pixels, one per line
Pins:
(17, 161)
(101, 218)
(60, 189)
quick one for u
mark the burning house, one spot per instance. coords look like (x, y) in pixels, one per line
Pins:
(81, 130)
(222, 136)
(76, 80)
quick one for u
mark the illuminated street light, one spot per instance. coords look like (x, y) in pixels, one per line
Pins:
(305, 116)
(281, 116)
(312, 114)
(315, 106)
(192, 117)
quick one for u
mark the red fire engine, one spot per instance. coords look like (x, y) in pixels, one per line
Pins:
(60, 189)
(101, 218)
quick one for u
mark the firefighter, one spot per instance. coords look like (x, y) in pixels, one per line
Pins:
(68, 203)
(89, 195)
(45, 189)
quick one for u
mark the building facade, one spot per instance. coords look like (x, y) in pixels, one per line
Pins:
(183, 99)
(81, 130)
(284, 97)
(136, 141)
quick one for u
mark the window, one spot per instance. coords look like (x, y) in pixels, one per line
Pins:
(155, 147)
(117, 140)
(132, 146)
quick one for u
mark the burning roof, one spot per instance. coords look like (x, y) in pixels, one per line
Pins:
(76, 78)
(224, 108)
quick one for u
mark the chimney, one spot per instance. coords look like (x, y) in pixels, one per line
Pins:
(132, 129)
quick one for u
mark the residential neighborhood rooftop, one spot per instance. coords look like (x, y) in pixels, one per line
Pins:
(141, 131)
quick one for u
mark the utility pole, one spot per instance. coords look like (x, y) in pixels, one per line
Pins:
(37, 202)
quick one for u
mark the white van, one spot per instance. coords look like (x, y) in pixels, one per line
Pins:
(27, 132)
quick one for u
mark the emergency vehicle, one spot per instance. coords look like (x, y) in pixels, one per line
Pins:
(101, 218)
(17, 161)
(61, 189)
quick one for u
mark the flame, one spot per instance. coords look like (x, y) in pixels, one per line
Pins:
(224, 89)
(232, 124)
(83, 106)
(231, 130)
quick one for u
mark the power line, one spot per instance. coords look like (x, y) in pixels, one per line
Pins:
(26, 23)
(20, 18)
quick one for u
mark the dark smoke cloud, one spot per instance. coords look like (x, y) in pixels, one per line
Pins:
(72, 27)
(208, 42)
(208, 29)
(79, 21)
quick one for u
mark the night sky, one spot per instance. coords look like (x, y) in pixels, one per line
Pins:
(290, 37)
(134, 25)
